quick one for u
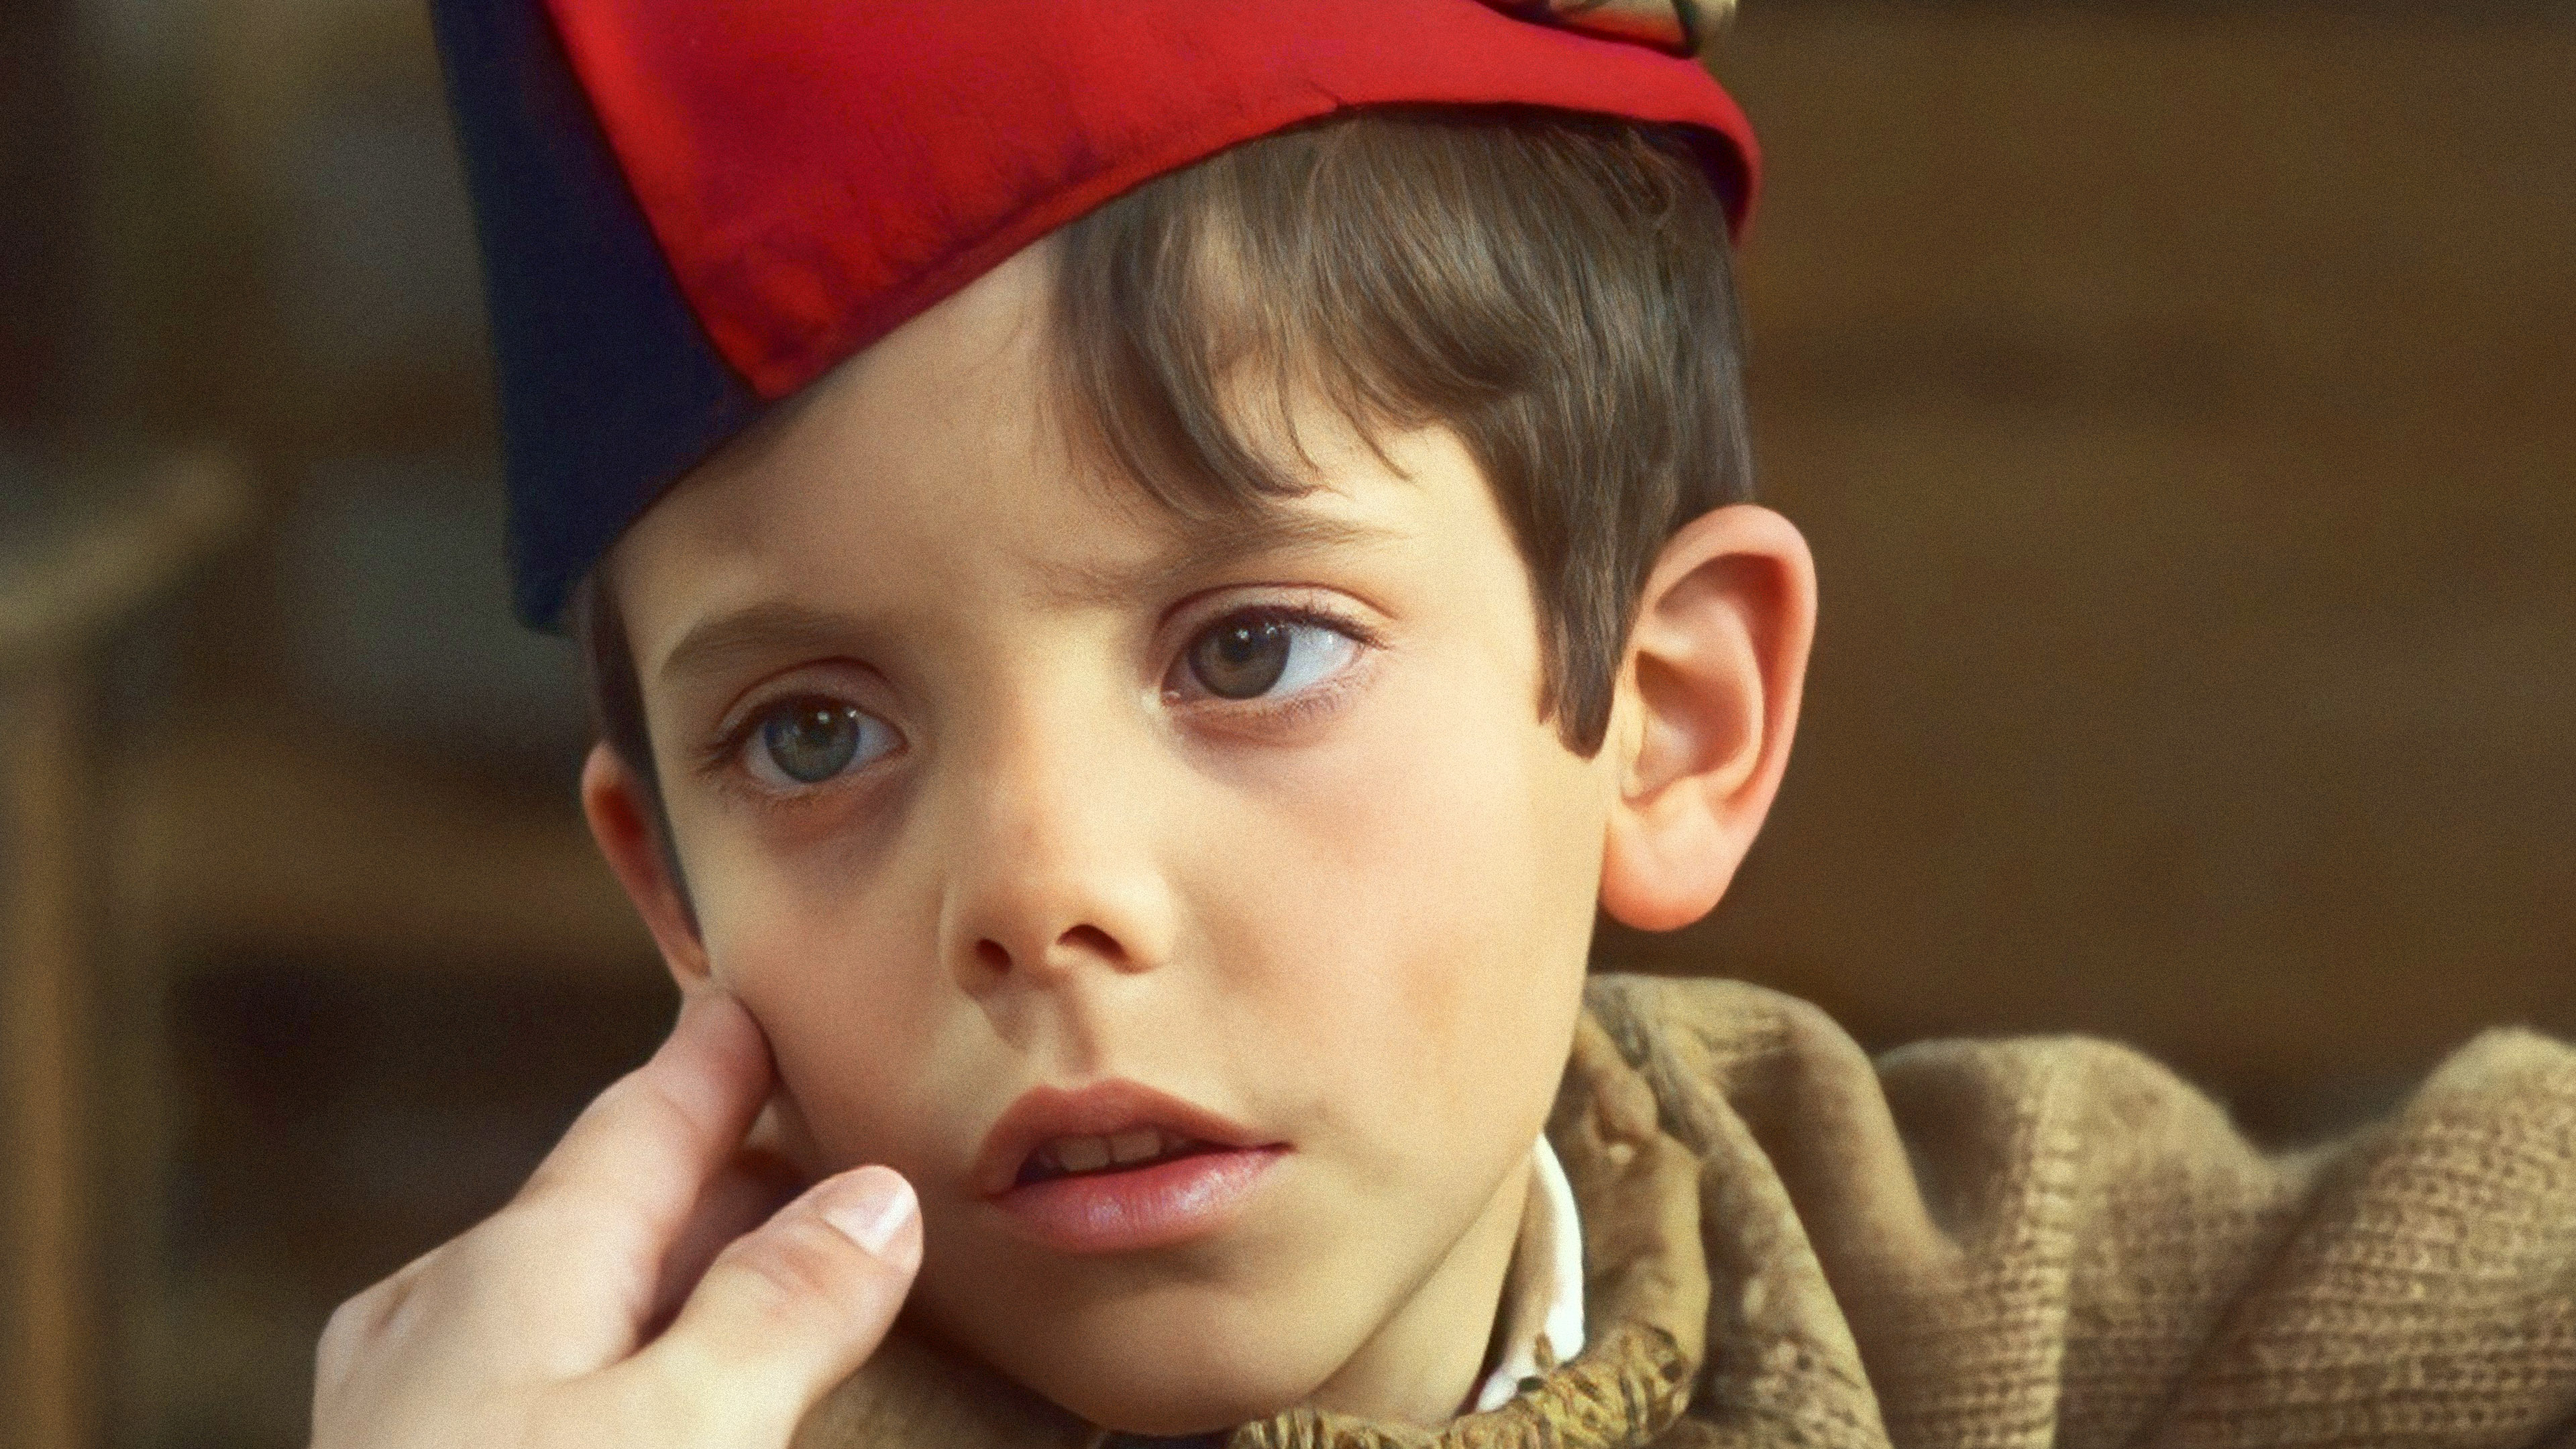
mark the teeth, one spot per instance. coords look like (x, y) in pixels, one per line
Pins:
(1121, 1149)
(1082, 1154)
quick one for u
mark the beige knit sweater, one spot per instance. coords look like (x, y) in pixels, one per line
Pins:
(1987, 1245)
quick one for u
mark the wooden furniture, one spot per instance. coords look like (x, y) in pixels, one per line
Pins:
(82, 555)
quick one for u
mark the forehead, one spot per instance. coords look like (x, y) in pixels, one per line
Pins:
(933, 467)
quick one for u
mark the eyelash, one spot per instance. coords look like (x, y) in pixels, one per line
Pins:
(723, 756)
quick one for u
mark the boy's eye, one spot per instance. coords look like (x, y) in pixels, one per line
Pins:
(1249, 655)
(808, 741)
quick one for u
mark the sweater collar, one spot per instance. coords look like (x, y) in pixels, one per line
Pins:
(1645, 1290)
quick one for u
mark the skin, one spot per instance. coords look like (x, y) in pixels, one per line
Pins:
(632, 1293)
(1351, 913)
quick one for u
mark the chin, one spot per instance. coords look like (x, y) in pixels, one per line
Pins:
(1193, 1400)
(1171, 1375)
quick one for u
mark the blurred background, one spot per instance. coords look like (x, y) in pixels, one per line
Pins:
(2178, 396)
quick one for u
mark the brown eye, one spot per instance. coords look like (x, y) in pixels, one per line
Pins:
(1265, 652)
(1242, 657)
(808, 741)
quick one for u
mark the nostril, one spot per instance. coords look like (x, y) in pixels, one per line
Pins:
(993, 962)
(1094, 940)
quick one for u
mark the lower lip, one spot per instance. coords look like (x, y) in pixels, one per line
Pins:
(1143, 1207)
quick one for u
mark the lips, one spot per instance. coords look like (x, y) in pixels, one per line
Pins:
(1118, 1167)
(1061, 1130)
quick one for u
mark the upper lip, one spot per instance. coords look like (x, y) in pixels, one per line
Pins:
(1097, 1109)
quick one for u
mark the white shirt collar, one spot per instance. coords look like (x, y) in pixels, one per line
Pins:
(1542, 1308)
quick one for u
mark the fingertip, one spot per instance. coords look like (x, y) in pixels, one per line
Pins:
(789, 1310)
(714, 1024)
(877, 1209)
(705, 1009)
(652, 1139)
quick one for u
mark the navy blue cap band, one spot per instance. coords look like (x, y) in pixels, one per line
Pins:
(609, 387)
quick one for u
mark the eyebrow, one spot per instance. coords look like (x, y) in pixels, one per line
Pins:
(758, 631)
(1203, 548)
(774, 627)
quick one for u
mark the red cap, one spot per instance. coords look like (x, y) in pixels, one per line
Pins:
(690, 209)
(817, 172)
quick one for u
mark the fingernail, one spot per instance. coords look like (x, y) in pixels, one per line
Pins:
(871, 1207)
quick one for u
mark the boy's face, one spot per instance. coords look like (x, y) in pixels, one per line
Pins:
(987, 779)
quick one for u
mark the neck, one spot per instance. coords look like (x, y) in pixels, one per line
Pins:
(1422, 1365)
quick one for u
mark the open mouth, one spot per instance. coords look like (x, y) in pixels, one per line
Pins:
(1115, 1166)
(1092, 1156)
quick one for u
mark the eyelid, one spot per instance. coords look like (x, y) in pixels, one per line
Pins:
(847, 680)
(1308, 604)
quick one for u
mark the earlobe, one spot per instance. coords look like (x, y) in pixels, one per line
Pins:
(1708, 700)
(627, 827)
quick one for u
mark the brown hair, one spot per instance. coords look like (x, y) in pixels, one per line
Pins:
(1554, 288)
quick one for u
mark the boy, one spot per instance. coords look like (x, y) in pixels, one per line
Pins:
(1177, 613)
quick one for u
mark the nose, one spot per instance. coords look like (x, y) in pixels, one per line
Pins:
(1052, 867)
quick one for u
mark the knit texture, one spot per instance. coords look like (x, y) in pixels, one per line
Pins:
(1979, 1245)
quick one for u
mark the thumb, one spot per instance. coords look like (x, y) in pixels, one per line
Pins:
(789, 1310)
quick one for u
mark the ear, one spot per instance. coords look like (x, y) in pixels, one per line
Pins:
(628, 828)
(1707, 701)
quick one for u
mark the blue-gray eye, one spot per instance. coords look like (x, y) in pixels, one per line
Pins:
(811, 740)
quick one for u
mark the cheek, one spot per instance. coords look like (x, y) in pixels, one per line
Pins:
(840, 996)
(1446, 908)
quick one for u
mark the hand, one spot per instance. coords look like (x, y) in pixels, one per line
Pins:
(544, 1326)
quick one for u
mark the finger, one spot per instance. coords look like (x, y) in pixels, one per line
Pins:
(558, 1283)
(369, 1312)
(787, 1312)
(745, 1192)
(643, 1151)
